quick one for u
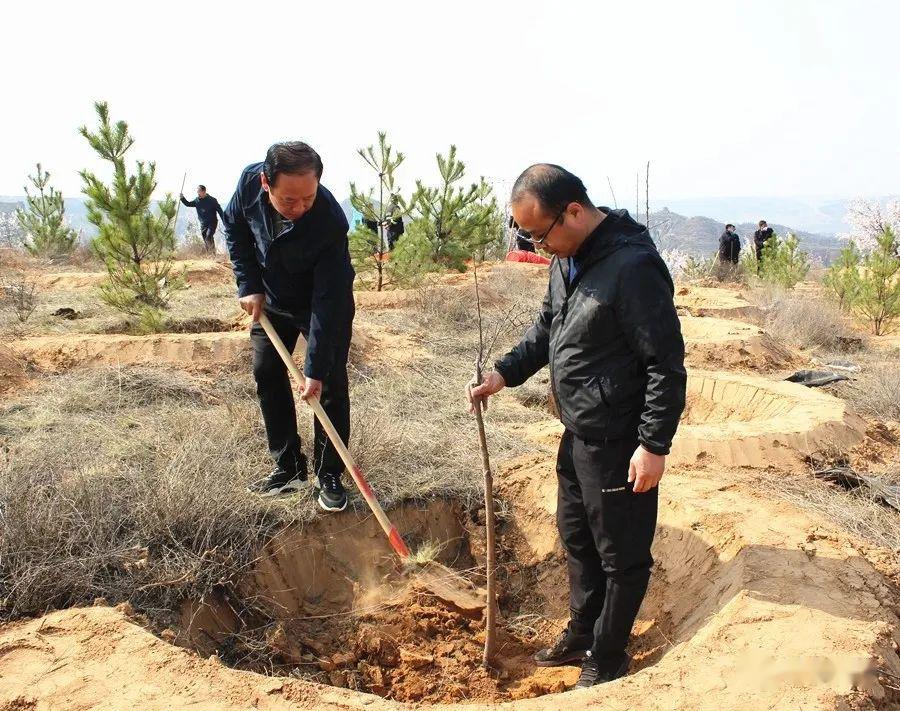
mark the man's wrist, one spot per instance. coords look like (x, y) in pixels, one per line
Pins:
(656, 449)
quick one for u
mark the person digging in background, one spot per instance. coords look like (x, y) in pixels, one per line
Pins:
(208, 211)
(609, 332)
(760, 237)
(287, 237)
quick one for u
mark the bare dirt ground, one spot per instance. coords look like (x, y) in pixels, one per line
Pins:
(755, 602)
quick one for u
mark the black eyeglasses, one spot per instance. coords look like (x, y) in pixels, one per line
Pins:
(526, 236)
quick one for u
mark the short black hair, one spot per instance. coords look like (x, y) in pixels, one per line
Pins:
(731, 226)
(552, 185)
(763, 222)
(293, 158)
(201, 187)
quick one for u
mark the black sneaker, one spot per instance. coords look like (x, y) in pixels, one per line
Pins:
(332, 496)
(569, 648)
(594, 672)
(278, 483)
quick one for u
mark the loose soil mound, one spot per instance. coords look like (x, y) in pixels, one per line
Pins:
(714, 343)
(197, 271)
(185, 350)
(189, 350)
(742, 420)
(12, 371)
(714, 301)
(418, 649)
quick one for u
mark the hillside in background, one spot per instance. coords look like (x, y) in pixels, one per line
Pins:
(76, 214)
(699, 236)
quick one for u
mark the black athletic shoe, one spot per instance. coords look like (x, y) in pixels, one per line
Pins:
(594, 672)
(332, 496)
(569, 648)
(278, 483)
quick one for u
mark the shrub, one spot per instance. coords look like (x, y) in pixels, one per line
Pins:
(804, 321)
(842, 277)
(878, 298)
(22, 297)
(783, 263)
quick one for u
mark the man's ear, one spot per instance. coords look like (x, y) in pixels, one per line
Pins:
(265, 182)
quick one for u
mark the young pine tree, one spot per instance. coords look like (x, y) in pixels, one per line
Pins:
(878, 299)
(783, 263)
(453, 217)
(369, 249)
(43, 221)
(842, 277)
(135, 242)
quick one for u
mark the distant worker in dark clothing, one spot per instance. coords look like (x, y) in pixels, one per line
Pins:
(729, 245)
(760, 237)
(393, 224)
(208, 212)
(287, 237)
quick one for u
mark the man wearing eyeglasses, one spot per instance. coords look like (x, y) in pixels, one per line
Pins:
(610, 334)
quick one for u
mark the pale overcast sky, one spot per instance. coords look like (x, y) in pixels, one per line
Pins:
(768, 98)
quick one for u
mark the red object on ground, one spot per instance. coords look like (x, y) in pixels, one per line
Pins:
(520, 255)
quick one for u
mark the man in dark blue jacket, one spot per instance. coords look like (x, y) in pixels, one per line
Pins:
(208, 211)
(287, 237)
(610, 334)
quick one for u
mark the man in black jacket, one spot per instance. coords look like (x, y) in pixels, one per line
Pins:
(609, 332)
(760, 237)
(287, 237)
(208, 211)
(729, 246)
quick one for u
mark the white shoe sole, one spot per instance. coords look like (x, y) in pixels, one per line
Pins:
(330, 509)
(291, 487)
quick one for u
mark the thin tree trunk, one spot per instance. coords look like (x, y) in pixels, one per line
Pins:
(490, 611)
(613, 193)
(647, 194)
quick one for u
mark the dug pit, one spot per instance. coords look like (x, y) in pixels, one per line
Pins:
(753, 604)
(743, 420)
(331, 604)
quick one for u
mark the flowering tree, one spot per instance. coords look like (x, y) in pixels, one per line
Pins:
(11, 235)
(868, 220)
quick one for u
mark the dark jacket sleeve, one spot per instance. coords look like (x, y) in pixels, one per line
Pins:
(533, 351)
(219, 210)
(241, 246)
(331, 309)
(646, 313)
(189, 203)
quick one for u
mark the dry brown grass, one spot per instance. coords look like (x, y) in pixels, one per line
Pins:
(875, 390)
(805, 320)
(857, 511)
(129, 483)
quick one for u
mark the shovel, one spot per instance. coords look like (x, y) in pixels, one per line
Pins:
(361, 483)
(437, 579)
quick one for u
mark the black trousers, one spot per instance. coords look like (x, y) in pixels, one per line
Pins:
(606, 530)
(276, 397)
(208, 232)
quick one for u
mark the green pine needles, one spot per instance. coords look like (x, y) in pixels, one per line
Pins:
(135, 242)
(43, 221)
